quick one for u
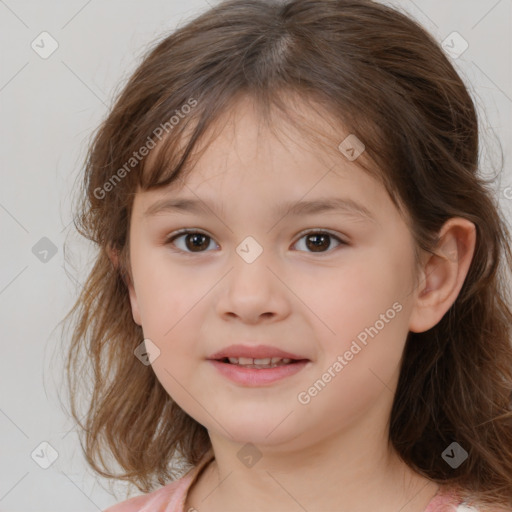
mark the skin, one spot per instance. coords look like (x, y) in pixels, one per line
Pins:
(331, 453)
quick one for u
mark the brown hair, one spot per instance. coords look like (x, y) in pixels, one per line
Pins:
(386, 80)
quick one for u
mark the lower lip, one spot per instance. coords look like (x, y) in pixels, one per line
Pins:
(257, 377)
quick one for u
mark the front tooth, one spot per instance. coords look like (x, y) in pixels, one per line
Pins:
(275, 360)
(245, 360)
(262, 361)
(233, 360)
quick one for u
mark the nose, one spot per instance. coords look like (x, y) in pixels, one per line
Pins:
(253, 292)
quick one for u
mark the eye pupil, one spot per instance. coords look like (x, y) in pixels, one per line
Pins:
(194, 237)
(319, 242)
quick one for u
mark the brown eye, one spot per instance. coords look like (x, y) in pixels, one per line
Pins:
(319, 241)
(195, 241)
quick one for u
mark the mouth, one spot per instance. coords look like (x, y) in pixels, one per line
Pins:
(260, 363)
(257, 365)
(256, 356)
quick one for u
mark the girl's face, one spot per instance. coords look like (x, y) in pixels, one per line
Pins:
(330, 282)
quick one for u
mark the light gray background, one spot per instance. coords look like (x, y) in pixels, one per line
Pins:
(48, 109)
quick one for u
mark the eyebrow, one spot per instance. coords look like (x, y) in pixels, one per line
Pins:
(297, 208)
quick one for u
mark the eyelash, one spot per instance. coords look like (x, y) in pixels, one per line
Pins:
(173, 236)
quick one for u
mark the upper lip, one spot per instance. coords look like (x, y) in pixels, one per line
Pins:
(255, 352)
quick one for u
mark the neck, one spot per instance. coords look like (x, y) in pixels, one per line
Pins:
(353, 472)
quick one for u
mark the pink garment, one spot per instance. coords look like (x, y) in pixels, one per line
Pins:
(171, 498)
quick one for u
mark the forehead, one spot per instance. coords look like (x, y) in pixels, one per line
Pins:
(245, 158)
(243, 138)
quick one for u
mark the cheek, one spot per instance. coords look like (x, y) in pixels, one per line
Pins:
(370, 327)
(353, 295)
(363, 307)
(165, 293)
(172, 300)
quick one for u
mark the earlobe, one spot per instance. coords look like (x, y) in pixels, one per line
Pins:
(114, 258)
(443, 274)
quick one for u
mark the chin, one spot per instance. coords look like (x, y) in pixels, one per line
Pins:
(260, 430)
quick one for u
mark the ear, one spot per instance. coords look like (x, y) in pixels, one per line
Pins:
(443, 274)
(113, 255)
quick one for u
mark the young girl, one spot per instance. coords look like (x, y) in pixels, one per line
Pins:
(299, 301)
